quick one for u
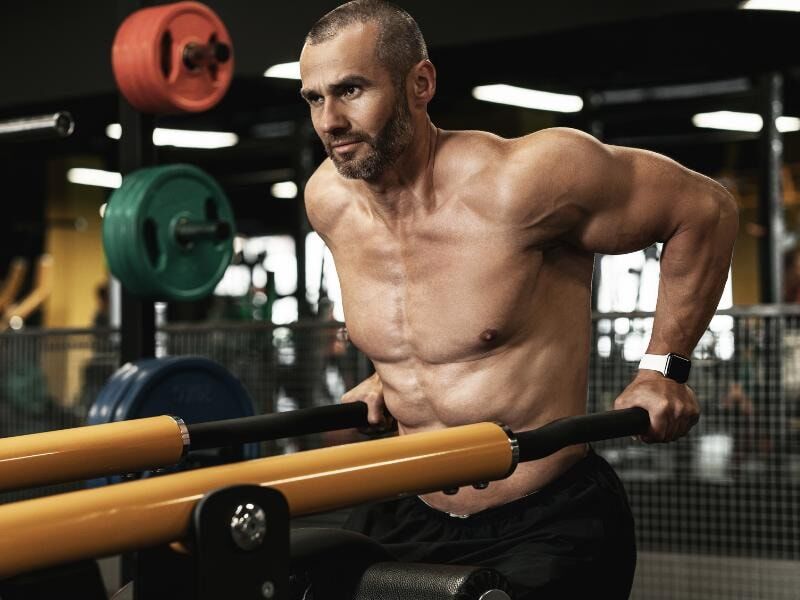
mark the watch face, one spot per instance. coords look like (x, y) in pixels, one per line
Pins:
(678, 368)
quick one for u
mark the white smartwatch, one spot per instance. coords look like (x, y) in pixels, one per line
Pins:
(669, 365)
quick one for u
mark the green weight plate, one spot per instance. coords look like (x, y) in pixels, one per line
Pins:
(183, 271)
(129, 238)
(126, 235)
(114, 235)
(139, 233)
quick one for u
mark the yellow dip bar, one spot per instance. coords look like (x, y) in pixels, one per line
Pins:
(93, 451)
(103, 521)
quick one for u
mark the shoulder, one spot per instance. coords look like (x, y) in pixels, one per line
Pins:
(514, 161)
(557, 148)
(518, 178)
(324, 197)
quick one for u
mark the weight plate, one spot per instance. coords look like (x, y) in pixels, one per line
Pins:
(193, 388)
(149, 58)
(139, 233)
(130, 238)
(102, 408)
(122, 234)
(117, 235)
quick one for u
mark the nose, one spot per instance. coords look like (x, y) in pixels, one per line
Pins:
(333, 119)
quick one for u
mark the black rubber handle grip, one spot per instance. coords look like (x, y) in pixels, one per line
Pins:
(550, 438)
(230, 432)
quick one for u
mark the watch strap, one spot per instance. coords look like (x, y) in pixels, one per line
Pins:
(673, 366)
(654, 362)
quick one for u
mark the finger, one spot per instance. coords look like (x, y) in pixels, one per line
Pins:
(374, 409)
(688, 414)
(374, 415)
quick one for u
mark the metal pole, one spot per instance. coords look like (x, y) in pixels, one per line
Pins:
(304, 168)
(136, 150)
(771, 245)
(43, 127)
(770, 192)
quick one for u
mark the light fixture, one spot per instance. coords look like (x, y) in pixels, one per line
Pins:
(740, 121)
(517, 96)
(183, 138)
(114, 131)
(790, 5)
(284, 189)
(95, 177)
(284, 71)
(186, 138)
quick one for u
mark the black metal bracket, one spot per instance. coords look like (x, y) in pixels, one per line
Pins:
(237, 548)
(240, 539)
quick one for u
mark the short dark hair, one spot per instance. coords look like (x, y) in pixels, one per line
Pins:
(400, 44)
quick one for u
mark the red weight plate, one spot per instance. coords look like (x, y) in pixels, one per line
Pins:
(132, 60)
(148, 59)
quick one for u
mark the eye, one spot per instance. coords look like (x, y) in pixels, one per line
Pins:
(314, 100)
(350, 90)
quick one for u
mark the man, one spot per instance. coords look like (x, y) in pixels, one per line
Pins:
(465, 263)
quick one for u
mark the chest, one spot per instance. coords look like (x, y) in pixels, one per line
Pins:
(442, 291)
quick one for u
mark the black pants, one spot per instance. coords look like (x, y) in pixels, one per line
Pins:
(573, 536)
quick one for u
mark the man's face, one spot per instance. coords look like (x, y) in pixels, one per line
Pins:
(359, 113)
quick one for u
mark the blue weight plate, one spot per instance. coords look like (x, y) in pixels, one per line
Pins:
(193, 388)
(103, 407)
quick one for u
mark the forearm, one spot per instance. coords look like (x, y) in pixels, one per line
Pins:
(694, 268)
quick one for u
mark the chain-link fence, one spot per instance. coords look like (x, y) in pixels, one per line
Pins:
(716, 512)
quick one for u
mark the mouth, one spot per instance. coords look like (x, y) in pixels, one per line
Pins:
(344, 147)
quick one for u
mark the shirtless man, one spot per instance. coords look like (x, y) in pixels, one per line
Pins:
(465, 263)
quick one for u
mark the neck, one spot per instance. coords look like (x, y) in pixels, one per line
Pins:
(404, 186)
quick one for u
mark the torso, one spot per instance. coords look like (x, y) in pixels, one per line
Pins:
(465, 318)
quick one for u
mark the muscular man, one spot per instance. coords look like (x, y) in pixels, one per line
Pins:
(465, 262)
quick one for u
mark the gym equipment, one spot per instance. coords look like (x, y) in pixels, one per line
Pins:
(173, 58)
(132, 446)
(13, 282)
(43, 127)
(168, 233)
(100, 522)
(192, 388)
(336, 563)
(16, 314)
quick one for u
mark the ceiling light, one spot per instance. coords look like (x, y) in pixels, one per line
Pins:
(114, 131)
(183, 138)
(739, 121)
(187, 138)
(94, 177)
(284, 189)
(284, 71)
(791, 5)
(517, 96)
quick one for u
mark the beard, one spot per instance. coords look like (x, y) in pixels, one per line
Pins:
(383, 149)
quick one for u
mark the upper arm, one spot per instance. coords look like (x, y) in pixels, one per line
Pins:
(610, 199)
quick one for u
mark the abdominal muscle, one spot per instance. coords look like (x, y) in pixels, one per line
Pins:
(516, 387)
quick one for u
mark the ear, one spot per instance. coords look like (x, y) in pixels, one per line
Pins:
(422, 83)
